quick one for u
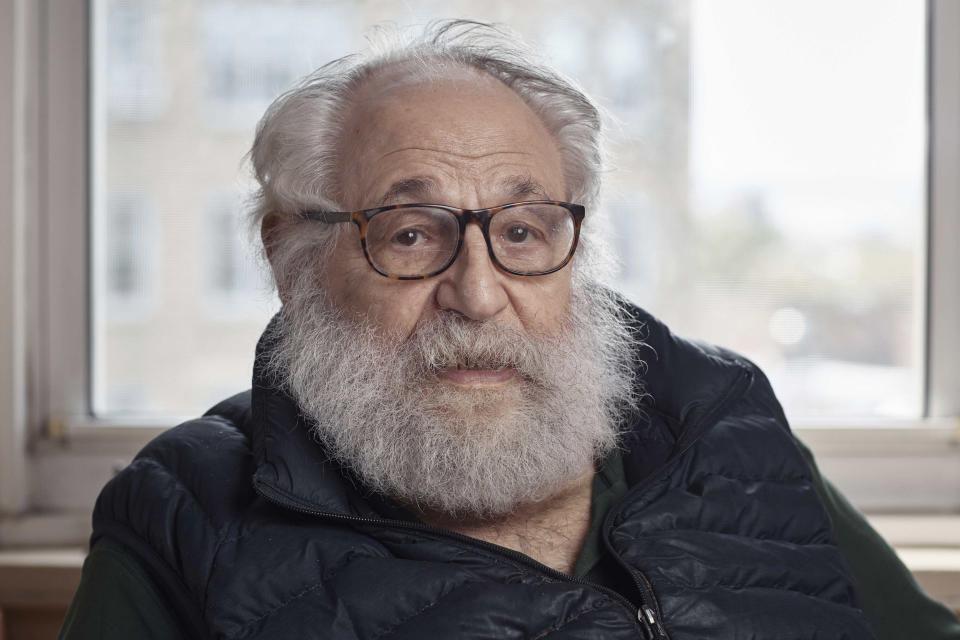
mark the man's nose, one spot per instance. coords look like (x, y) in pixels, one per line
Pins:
(473, 285)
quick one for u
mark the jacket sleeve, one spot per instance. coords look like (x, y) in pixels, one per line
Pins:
(117, 599)
(892, 600)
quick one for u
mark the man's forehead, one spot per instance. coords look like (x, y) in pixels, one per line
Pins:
(456, 94)
(443, 137)
(426, 189)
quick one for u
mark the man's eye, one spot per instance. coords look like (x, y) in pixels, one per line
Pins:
(517, 233)
(408, 237)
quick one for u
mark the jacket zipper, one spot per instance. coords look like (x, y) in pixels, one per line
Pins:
(288, 502)
(649, 614)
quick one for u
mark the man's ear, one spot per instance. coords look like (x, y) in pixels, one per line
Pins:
(270, 228)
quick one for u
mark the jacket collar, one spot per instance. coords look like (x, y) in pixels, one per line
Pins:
(687, 386)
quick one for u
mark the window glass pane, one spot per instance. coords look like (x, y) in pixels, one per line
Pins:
(766, 191)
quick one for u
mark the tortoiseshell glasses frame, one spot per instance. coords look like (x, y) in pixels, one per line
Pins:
(482, 217)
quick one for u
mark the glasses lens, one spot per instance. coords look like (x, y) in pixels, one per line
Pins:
(532, 238)
(412, 242)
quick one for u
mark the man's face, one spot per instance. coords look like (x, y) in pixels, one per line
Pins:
(473, 391)
(468, 141)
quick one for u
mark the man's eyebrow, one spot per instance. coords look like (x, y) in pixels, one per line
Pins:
(417, 188)
(524, 187)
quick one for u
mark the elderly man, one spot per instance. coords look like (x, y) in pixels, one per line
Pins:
(454, 431)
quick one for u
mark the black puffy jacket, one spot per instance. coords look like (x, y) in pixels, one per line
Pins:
(252, 532)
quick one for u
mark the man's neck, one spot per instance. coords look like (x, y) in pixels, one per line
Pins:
(551, 532)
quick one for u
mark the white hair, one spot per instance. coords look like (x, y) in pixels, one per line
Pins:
(294, 152)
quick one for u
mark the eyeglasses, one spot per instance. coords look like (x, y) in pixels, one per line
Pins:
(417, 241)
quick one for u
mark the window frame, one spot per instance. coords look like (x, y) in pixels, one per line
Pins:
(55, 455)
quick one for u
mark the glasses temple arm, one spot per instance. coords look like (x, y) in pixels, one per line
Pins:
(327, 216)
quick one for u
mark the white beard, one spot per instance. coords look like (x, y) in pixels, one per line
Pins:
(379, 409)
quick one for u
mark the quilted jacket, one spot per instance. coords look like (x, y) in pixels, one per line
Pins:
(251, 531)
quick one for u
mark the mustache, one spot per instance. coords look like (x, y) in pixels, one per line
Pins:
(450, 340)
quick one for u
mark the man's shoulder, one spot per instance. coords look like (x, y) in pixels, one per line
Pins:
(205, 464)
(218, 438)
(235, 409)
(187, 490)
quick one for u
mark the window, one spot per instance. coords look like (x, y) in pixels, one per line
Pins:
(129, 256)
(233, 281)
(757, 231)
(246, 54)
(136, 49)
(773, 203)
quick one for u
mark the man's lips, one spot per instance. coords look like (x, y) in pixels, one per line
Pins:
(454, 375)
